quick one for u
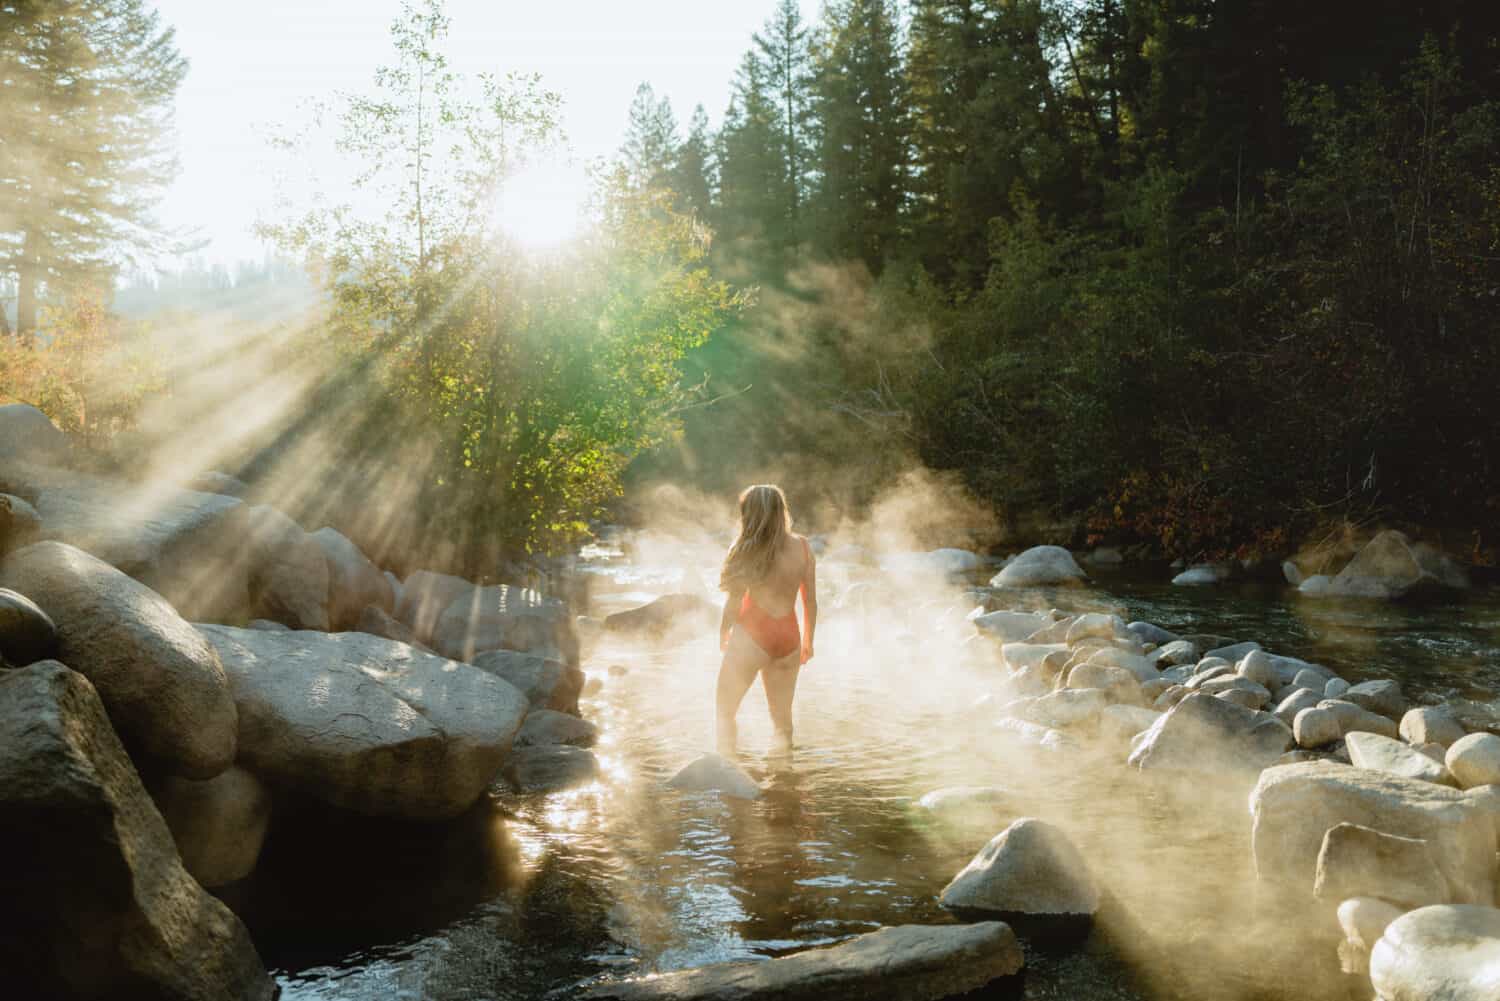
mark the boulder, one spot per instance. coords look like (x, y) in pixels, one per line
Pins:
(1363, 920)
(1120, 723)
(27, 434)
(545, 768)
(1439, 953)
(1293, 806)
(1309, 679)
(288, 571)
(1475, 760)
(1135, 663)
(1255, 695)
(668, 615)
(1360, 861)
(214, 482)
(1287, 709)
(1200, 576)
(1175, 653)
(97, 903)
(1008, 627)
(1169, 698)
(1021, 656)
(27, 634)
(1205, 734)
(367, 724)
(162, 685)
(1147, 632)
(1317, 584)
(1383, 697)
(709, 772)
(1040, 566)
(903, 963)
(1335, 688)
(1316, 727)
(20, 524)
(1353, 718)
(354, 583)
(503, 617)
(547, 683)
(1233, 653)
(1055, 633)
(425, 596)
(1371, 750)
(1069, 707)
(1391, 568)
(547, 726)
(218, 824)
(1093, 625)
(1030, 868)
(376, 622)
(1430, 725)
(1118, 684)
(979, 803)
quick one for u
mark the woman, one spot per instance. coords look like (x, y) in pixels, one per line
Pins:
(765, 570)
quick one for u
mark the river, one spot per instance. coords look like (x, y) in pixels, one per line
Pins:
(528, 898)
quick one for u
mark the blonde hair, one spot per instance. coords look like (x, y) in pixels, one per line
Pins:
(765, 523)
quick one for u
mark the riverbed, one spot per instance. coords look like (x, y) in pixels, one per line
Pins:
(532, 897)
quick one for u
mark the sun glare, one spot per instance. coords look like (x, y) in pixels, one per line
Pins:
(541, 205)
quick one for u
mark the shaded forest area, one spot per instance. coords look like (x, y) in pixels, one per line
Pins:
(1213, 275)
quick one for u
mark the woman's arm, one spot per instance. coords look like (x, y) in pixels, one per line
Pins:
(730, 615)
(809, 606)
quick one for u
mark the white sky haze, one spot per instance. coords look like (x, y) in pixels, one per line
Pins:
(254, 64)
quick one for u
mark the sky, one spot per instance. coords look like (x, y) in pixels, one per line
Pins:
(254, 65)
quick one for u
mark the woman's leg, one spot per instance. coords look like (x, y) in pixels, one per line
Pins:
(742, 659)
(780, 682)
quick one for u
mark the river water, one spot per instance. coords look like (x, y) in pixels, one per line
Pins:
(529, 898)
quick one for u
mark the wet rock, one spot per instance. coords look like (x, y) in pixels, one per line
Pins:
(1363, 920)
(1353, 718)
(97, 903)
(425, 595)
(973, 803)
(1200, 576)
(1316, 727)
(713, 773)
(903, 963)
(547, 726)
(550, 768)
(1383, 697)
(376, 622)
(1146, 632)
(1040, 566)
(503, 617)
(27, 634)
(1293, 806)
(218, 824)
(1009, 627)
(354, 583)
(20, 525)
(288, 575)
(1474, 760)
(1391, 567)
(669, 615)
(547, 683)
(1371, 750)
(162, 685)
(1439, 953)
(1030, 868)
(1288, 708)
(1360, 861)
(367, 724)
(1069, 707)
(1291, 573)
(1205, 734)
(1429, 725)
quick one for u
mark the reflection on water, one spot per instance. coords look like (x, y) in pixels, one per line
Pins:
(531, 897)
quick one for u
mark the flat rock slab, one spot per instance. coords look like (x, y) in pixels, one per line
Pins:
(365, 723)
(1030, 868)
(712, 773)
(1440, 953)
(161, 684)
(904, 963)
(97, 903)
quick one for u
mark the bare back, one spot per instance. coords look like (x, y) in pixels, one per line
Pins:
(776, 593)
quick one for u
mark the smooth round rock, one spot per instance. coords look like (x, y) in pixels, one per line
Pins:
(1029, 868)
(1447, 952)
(1430, 725)
(1475, 760)
(1316, 727)
(27, 635)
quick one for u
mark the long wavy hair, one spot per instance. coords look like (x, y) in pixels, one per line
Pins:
(765, 523)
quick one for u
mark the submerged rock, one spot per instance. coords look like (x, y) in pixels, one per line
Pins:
(1030, 868)
(97, 903)
(1040, 566)
(904, 963)
(550, 768)
(969, 802)
(1440, 953)
(547, 726)
(367, 724)
(711, 772)
(162, 685)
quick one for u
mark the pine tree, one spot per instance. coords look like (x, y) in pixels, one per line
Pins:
(88, 88)
(692, 166)
(785, 52)
(751, 169)
(651, 139)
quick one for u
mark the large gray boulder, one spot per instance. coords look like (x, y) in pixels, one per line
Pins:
(27, 433)
(546, 682)
(377, 622)
(667, 616)
(367, 724)
(1475, 760)
(1040, 566)
(1383, 697)
(27, 634)
(425, 595)
(1391, 567)
(1205, 734)
(287, 571)
(1029, 868)
(1360, 861)
(1430, 725)
(1439, 953)
(904, 963)
(162, 685)
(97, 903)
(1293, 806)
(504, 617)
(545, 768)
(353, 581)
(219, 824)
